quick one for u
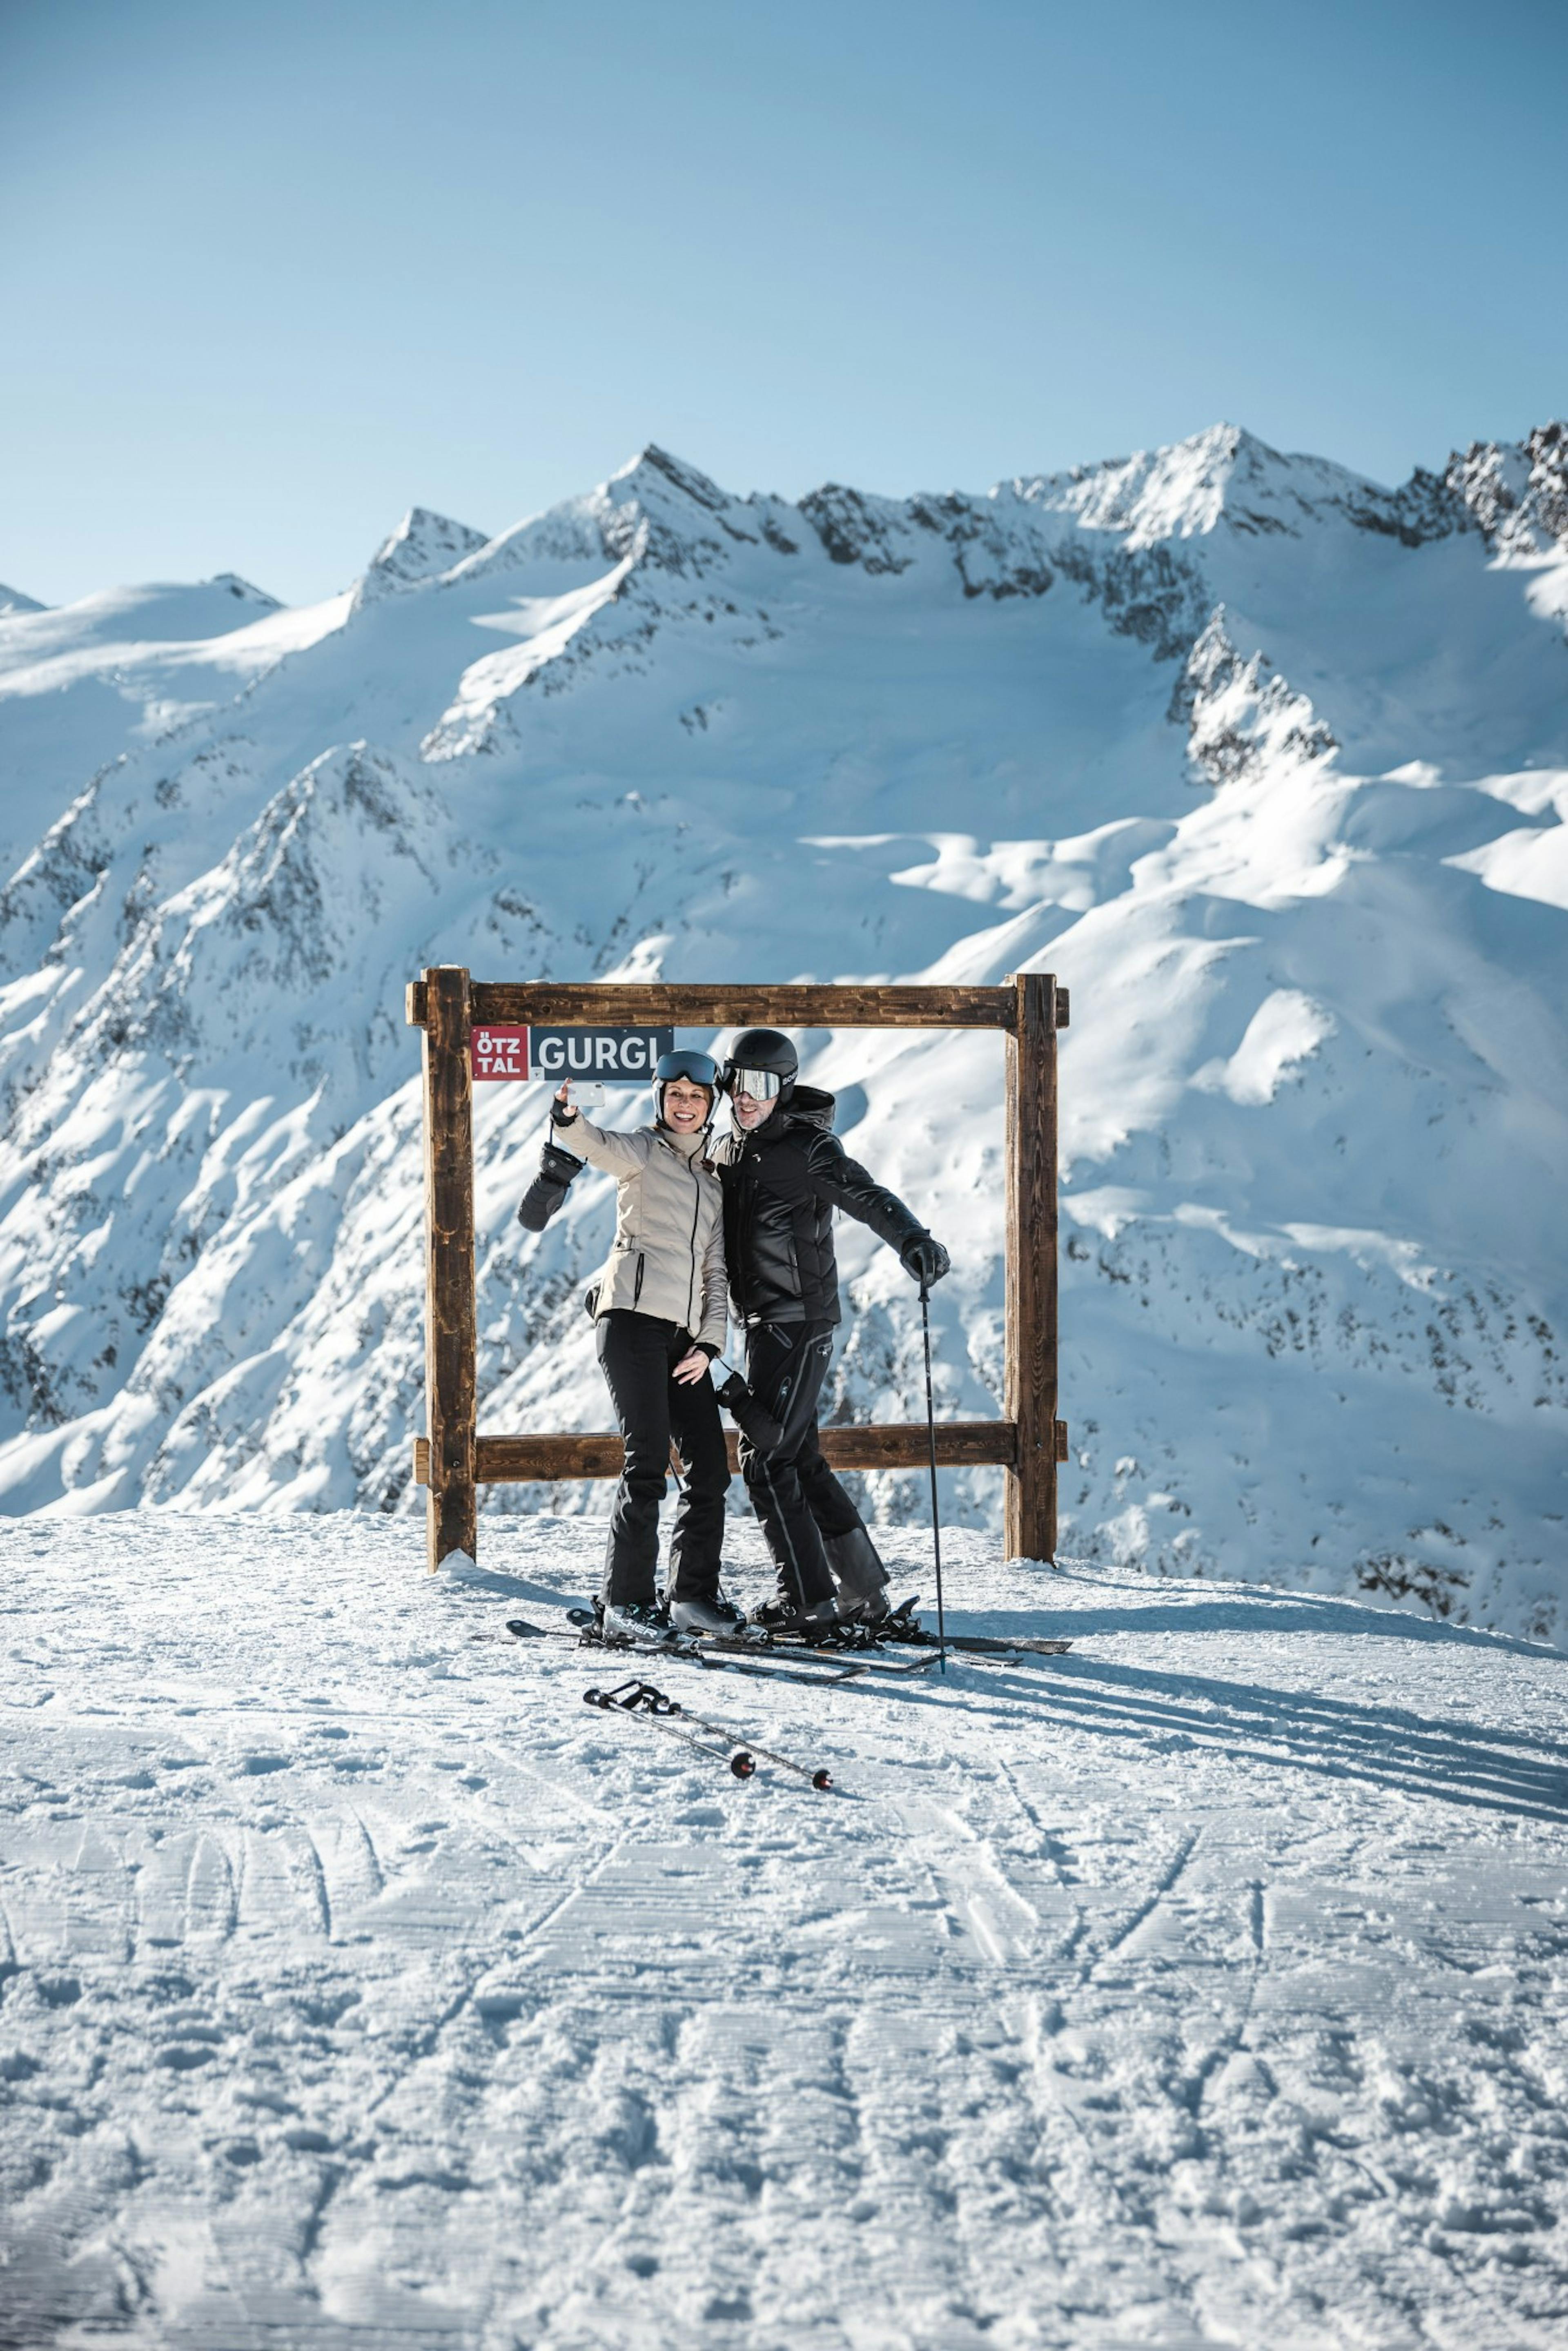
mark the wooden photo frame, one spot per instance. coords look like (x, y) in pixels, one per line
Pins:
(453, 1460)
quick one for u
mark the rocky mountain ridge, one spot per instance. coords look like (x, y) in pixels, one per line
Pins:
(1268, 762)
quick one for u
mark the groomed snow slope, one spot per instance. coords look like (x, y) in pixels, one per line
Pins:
(359, 1987)
(1268, 763)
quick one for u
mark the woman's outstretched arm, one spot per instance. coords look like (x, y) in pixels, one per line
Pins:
(618, 1155)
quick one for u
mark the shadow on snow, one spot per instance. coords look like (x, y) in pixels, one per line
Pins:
(1255, 1611)
(1383, 1745)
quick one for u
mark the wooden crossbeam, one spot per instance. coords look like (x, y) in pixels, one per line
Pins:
(895, 1445)
(653, 1005)
(885, 1444)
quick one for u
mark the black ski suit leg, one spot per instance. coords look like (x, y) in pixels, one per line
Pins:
(786, 1364)
(634, 1355)
(853, 1560)
(825, 1499)
(697, 1540)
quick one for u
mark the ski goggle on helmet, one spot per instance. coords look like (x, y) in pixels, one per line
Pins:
(762, 1063)
(761, 1085)
(697, 1069)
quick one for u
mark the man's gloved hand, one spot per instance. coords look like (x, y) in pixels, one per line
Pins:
(924, 1260)
(748, 1415)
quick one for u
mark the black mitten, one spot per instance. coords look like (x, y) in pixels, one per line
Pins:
(549, 1188)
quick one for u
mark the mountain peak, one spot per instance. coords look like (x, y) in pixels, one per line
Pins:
(653, 467)
(1186, 489)
(13, 602)
(244, 590)
(1516, 492)
(424, 545)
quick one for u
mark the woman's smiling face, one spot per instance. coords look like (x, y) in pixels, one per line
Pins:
(686, 1106)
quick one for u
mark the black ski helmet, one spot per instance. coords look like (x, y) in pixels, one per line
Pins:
(762, 1049)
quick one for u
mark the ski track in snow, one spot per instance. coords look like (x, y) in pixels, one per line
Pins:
(358, 1986)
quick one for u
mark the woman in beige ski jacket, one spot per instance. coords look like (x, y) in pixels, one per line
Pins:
(660, 1315)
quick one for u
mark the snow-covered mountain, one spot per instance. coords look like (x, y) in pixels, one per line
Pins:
(1266, 762)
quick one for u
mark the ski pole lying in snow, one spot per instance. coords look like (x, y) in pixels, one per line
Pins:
(651, 1705)
(818, 1779)
(936, 1513)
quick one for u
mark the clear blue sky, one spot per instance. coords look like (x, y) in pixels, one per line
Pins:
(270, 273)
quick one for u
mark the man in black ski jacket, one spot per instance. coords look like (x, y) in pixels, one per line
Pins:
(784, 1172)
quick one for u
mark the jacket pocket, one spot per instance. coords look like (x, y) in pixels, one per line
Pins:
(637, 1285)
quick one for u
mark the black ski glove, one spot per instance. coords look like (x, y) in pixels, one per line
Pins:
(925, 1260)
(549, 1188)
(562, 1114)
(747, 1415)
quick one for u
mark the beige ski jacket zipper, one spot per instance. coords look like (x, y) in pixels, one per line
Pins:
(667, 1258)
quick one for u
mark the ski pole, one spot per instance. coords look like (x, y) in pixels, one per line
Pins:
(643, 1701)
(936, 1512)
(650, 1705)
(818, 1774)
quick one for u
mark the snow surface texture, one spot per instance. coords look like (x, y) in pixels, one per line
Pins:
(358, 1986)
(1268, 763)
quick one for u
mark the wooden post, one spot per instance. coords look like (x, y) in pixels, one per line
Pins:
(1030, 1269)
(451, 1344)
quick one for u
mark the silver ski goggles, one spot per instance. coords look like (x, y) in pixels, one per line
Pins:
(699, 1069)
(761, 1085)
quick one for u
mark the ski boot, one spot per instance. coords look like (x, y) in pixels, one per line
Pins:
(859, 1575)
(709, 1614)
(785, 1622)
(639, 1624)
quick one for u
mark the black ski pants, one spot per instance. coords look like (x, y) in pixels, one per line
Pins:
(792, 1490)
(638, 1353)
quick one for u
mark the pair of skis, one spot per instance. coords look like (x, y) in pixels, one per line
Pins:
(651, 1706)
(900, 1628)
(773, 1659)
(846, 1654)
